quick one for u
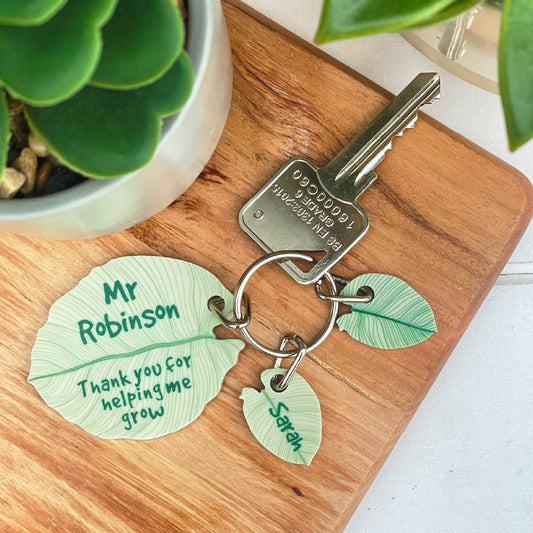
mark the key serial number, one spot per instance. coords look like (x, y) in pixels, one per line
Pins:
(316, 209)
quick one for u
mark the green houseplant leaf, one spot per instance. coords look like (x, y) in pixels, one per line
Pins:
(4, 131)
(288, 423)
(516, 70)
(349, 18)
(103, 132)
(396, 317)
(28, 12)
(142, 41)
(130, 352)
(45, 64)
(449, 12)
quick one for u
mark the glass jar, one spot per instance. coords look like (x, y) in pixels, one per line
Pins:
(466, 46)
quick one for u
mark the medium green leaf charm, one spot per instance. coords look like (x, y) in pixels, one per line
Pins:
(396, 317)
(341, 19)
(56, 59)
(28, 12)
(130, 352)
(120, 130)
(288, 423)
(142, 41)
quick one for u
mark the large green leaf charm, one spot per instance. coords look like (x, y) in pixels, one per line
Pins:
(288, 423)
(396, 317)
(130, 352)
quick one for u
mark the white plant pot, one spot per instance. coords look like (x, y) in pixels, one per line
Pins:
(100, 207)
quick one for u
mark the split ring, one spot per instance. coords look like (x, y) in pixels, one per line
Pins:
(239, 294)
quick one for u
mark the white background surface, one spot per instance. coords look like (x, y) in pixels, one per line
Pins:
(465, 463)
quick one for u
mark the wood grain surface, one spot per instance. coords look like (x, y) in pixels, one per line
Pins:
(444, 216)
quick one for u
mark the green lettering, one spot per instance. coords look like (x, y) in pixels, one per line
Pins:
(113, 327)
(173, 386)
(172, 310)
(106, 405)
(292, 436)
(281, 406)
(126, 419)
(287, 427)
(282, 421)
(131, 288)
(135, 322)
(148, 315)
(85, 328)
(112, 293)
(83, 389)
(155, 414)
(186, 382)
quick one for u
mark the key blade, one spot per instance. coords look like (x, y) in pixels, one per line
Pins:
(362, 155)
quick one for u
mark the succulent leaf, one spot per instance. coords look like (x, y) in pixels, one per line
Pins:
(105, 133)
(46, 64)
(28, 12)
(142, 41)
(4, 132)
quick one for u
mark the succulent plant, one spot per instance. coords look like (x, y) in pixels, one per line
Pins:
(95, 77)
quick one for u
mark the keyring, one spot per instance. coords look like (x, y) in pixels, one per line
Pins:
(281, 381)
(239, 294)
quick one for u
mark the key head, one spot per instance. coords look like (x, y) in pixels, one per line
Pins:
(294, 211)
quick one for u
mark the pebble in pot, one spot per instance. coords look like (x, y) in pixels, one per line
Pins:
(12, 182)
(61, 178)
(27, 164)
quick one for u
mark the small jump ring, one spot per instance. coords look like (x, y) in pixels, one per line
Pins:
(366, 297)
(216, 305)
(239, 294)
(279, 385)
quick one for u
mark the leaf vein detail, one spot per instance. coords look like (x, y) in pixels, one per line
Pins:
(125, 355)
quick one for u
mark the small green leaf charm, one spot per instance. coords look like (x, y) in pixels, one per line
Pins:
(287, 423)
(396, 317)
(130, 352)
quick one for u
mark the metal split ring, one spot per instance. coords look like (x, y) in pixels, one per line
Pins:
(216, 305)
(239, 297)
(280, 382)
(364, 298)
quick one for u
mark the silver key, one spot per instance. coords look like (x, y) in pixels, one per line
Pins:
(313, 209)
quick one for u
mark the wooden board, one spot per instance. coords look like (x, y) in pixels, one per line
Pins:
(445, 216)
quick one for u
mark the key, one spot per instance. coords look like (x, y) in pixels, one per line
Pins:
(306, 208)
